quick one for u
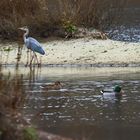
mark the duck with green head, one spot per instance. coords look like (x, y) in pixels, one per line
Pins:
(116, 91)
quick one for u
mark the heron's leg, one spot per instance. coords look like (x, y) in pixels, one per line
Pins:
(32, 59)
(37, 59)
(27, 57)
(40, 60)
(30, 54)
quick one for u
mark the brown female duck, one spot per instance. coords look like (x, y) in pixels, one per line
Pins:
(55, 86)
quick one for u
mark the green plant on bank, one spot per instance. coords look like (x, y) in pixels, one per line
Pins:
(30, 134)
(7, 49)
(70, 28)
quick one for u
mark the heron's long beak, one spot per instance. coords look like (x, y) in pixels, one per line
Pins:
(21, 28)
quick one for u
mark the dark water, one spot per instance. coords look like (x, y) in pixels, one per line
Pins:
(78, 110)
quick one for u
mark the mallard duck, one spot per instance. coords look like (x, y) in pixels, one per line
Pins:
(116, 91)
(56, 86)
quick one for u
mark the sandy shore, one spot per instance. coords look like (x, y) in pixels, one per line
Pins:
(80, 51)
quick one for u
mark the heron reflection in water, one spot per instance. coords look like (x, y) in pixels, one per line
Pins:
(33, 45)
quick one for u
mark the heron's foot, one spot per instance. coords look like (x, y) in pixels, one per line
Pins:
(26, 65)
(39, 64)
(30, 64)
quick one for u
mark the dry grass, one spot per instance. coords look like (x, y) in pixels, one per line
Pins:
(12, 98)
(16, 13)
(93, 13)
(45, 15)
(11, 94)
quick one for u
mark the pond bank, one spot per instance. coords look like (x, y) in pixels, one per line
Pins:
(84, 51)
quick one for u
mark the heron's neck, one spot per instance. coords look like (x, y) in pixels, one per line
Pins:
(25, 35)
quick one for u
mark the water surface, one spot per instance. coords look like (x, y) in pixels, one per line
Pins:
(78, 110)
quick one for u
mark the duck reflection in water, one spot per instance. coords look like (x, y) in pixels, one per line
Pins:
(55, 86)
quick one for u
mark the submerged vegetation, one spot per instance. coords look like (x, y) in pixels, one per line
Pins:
(47, 17)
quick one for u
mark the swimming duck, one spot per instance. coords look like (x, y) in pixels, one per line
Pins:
(116, 91)
(56, 86)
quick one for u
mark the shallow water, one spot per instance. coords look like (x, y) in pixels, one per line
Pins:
(78, 110)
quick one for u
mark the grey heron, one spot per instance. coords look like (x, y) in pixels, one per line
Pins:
(32, 44)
